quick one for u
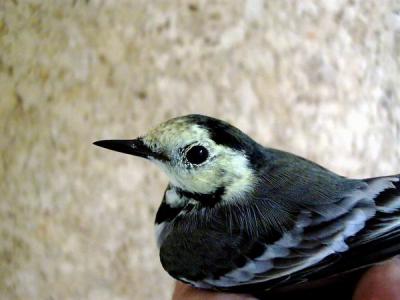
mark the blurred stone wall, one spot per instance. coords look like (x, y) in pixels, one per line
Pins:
(318, 78)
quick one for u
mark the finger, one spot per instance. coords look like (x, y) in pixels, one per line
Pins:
(381, 282)
(184, 291)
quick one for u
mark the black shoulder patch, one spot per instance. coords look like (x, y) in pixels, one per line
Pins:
(166, 212)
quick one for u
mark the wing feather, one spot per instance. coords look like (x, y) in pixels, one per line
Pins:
(325, 244)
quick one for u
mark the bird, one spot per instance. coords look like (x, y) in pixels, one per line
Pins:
(241, 217)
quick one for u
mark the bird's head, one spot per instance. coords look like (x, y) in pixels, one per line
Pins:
(199, 154)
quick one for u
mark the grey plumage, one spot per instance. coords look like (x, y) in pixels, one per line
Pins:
(238, 216)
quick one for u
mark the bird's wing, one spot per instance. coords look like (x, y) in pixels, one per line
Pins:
(360, 228)
(336, 276)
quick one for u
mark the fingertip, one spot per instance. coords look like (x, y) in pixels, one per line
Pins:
(185, 292)
(381, 282)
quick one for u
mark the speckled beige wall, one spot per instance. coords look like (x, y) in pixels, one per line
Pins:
(319, 78)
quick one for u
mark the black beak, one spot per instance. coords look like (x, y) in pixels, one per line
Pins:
(134, 147)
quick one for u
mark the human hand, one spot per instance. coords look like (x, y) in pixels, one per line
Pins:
(184, 292)
(381, 282)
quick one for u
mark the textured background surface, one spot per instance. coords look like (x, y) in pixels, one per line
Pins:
(319, 78)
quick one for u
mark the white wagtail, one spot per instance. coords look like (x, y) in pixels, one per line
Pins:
(241, 217)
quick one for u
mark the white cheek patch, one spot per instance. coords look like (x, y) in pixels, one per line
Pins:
(240, 179)
(226, 167)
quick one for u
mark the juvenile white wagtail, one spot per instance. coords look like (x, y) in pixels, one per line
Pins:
(241, 217)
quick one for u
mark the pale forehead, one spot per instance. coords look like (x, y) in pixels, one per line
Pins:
(175, 132)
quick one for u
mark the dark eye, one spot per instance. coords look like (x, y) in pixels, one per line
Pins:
(197, 154)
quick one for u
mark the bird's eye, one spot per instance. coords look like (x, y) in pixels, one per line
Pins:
(197, 154)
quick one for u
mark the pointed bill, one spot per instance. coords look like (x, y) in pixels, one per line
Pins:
(134, 147)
